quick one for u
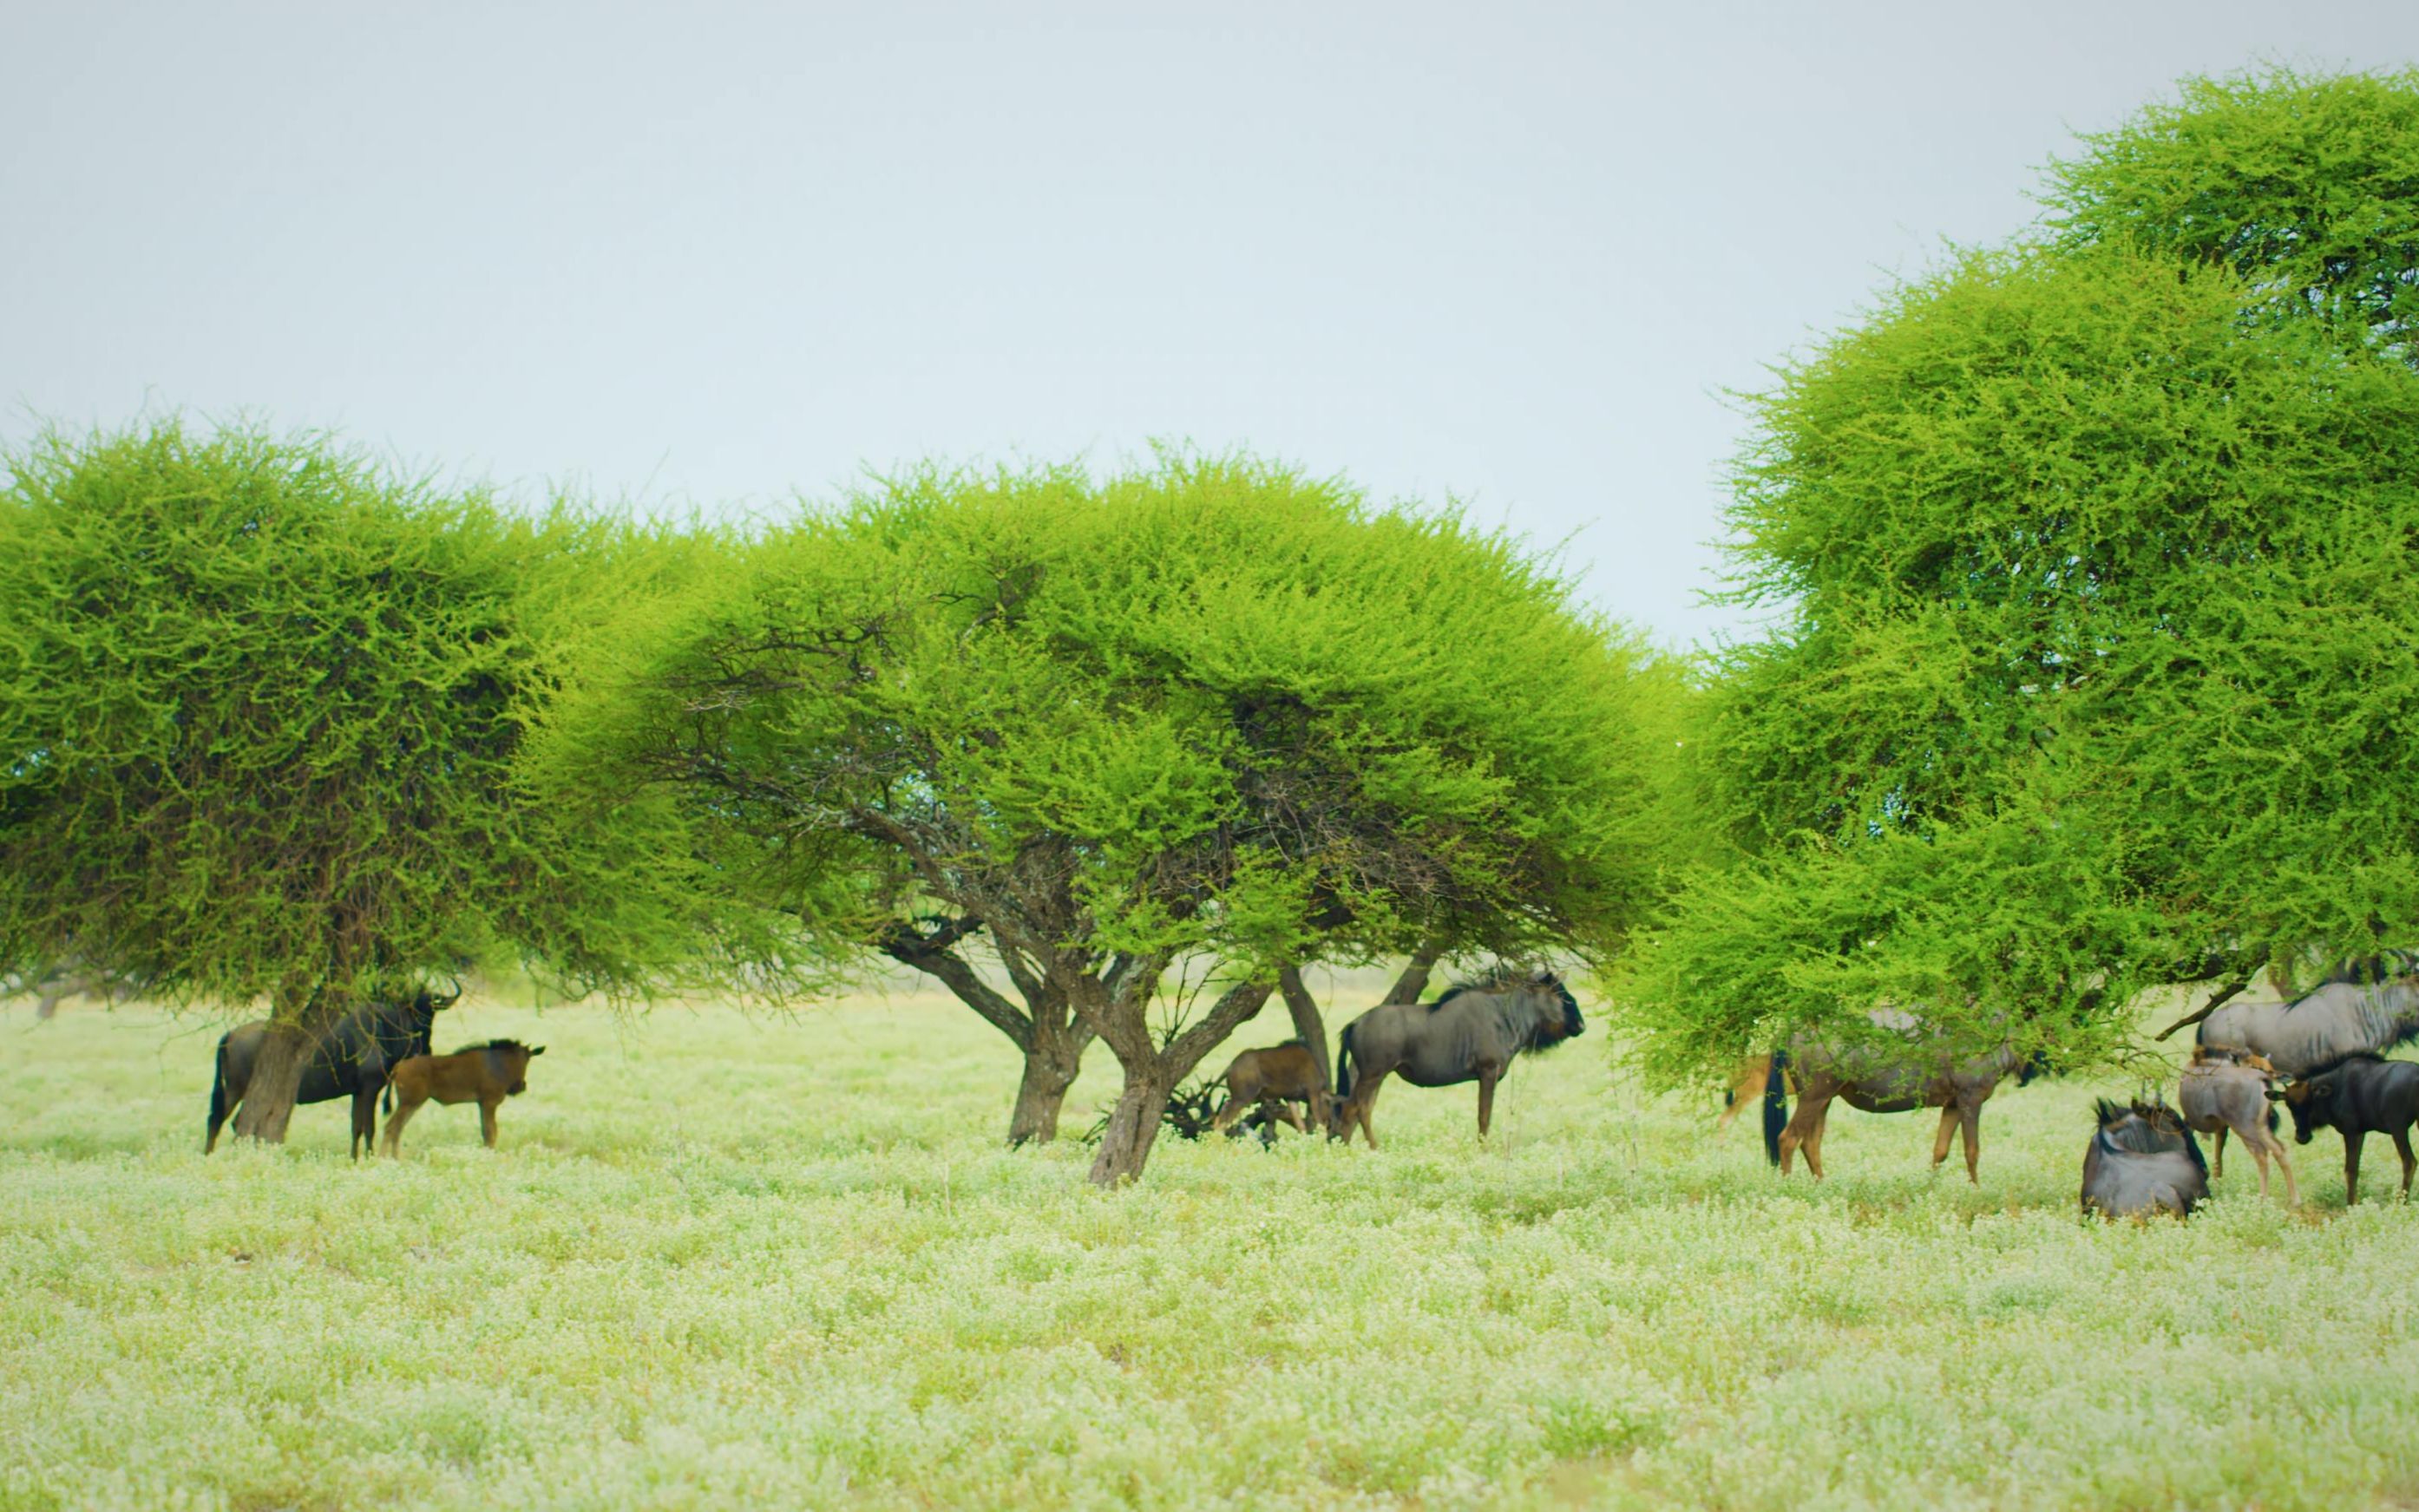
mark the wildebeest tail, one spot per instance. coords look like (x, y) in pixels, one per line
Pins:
(219, 1097)
(1344, 1064)
(1776, 1104)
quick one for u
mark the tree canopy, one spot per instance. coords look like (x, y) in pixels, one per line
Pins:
(2306, 186)
(262, 706)
(1207, 711)
(2092, 666)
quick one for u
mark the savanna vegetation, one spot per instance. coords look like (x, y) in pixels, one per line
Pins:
(724, 1258)
(2083, 691)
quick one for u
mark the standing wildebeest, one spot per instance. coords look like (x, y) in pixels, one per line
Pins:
(481, 1073)
(352, 1061)
(1470, 1034)
(2227, 1088)
(2143, 1159)
(1884, 1077)
(2357, 1096)
(1275, 1078)
(2348, 1015)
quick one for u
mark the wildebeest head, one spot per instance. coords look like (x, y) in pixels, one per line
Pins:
(1553, 1028)
(2311, 1100)
(508, 1062)
(2032, 1067)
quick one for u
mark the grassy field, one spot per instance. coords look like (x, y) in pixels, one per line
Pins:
(781, 1261)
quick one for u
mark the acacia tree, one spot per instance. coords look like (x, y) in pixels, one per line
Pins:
(260, 707)
(1208, 711)
(2307, 187)
(2094, 652)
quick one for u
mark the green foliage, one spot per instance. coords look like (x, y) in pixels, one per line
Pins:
(2095, 662)
(1210, 707)
(2306, 186)
(261, 709)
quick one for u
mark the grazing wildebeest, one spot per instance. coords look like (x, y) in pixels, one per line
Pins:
(2224, 1088)
(2143, 1159)
(2350, 1014)
(55, 982)
(481, 1073)
(1274, 1078)
(1905, 1069)
(352, 1061)
(1470, 1034)
(2357, 1096)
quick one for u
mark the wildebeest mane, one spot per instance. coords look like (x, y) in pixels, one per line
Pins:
(492, 1044)
(2337, 1064)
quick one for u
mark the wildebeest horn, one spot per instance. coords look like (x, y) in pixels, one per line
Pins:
(453, 997)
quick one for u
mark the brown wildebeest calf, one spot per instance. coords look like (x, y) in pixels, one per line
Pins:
(481, 1073)
(1276, 1078)
(2227, 1089)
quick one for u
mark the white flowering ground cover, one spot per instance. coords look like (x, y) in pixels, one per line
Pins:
(783, 1261)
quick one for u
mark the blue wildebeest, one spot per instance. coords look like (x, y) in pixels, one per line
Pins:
(351, 1062)
(2226, 1089)
(2364, 1007)
(1907, 1066)
(53, 982)
(2142, 1160)
(2321, 1027)
(1470, 1034)
(2357, 1096)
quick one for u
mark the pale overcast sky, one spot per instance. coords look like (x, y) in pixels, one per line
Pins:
(721, 254)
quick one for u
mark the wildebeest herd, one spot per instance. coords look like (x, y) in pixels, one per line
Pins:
(2318, 1056)
(2321, 1055)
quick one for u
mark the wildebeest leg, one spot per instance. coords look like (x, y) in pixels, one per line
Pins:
(1284, 1108)
(1487, 1076)
(1806, 1126)
(1747, 1087)
(487, 1122)
(1947, 1133)
(365, 1120)
(2351, 1168)
(2258, 1154)
(2276, 1148)
(2402, 1148)
(1815, 1146)
(1364, 1098)
(404, 1109)
(1969, 1121)
(2219, 1169)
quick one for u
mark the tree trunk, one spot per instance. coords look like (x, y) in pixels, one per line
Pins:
(1414, 980)
(1046, 1032)
(1307, 1024)
(1151, 1070)
(277, 1073)
(1052, 1055)
(1131, 1128)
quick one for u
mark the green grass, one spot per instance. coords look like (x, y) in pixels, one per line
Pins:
(784, 1262)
